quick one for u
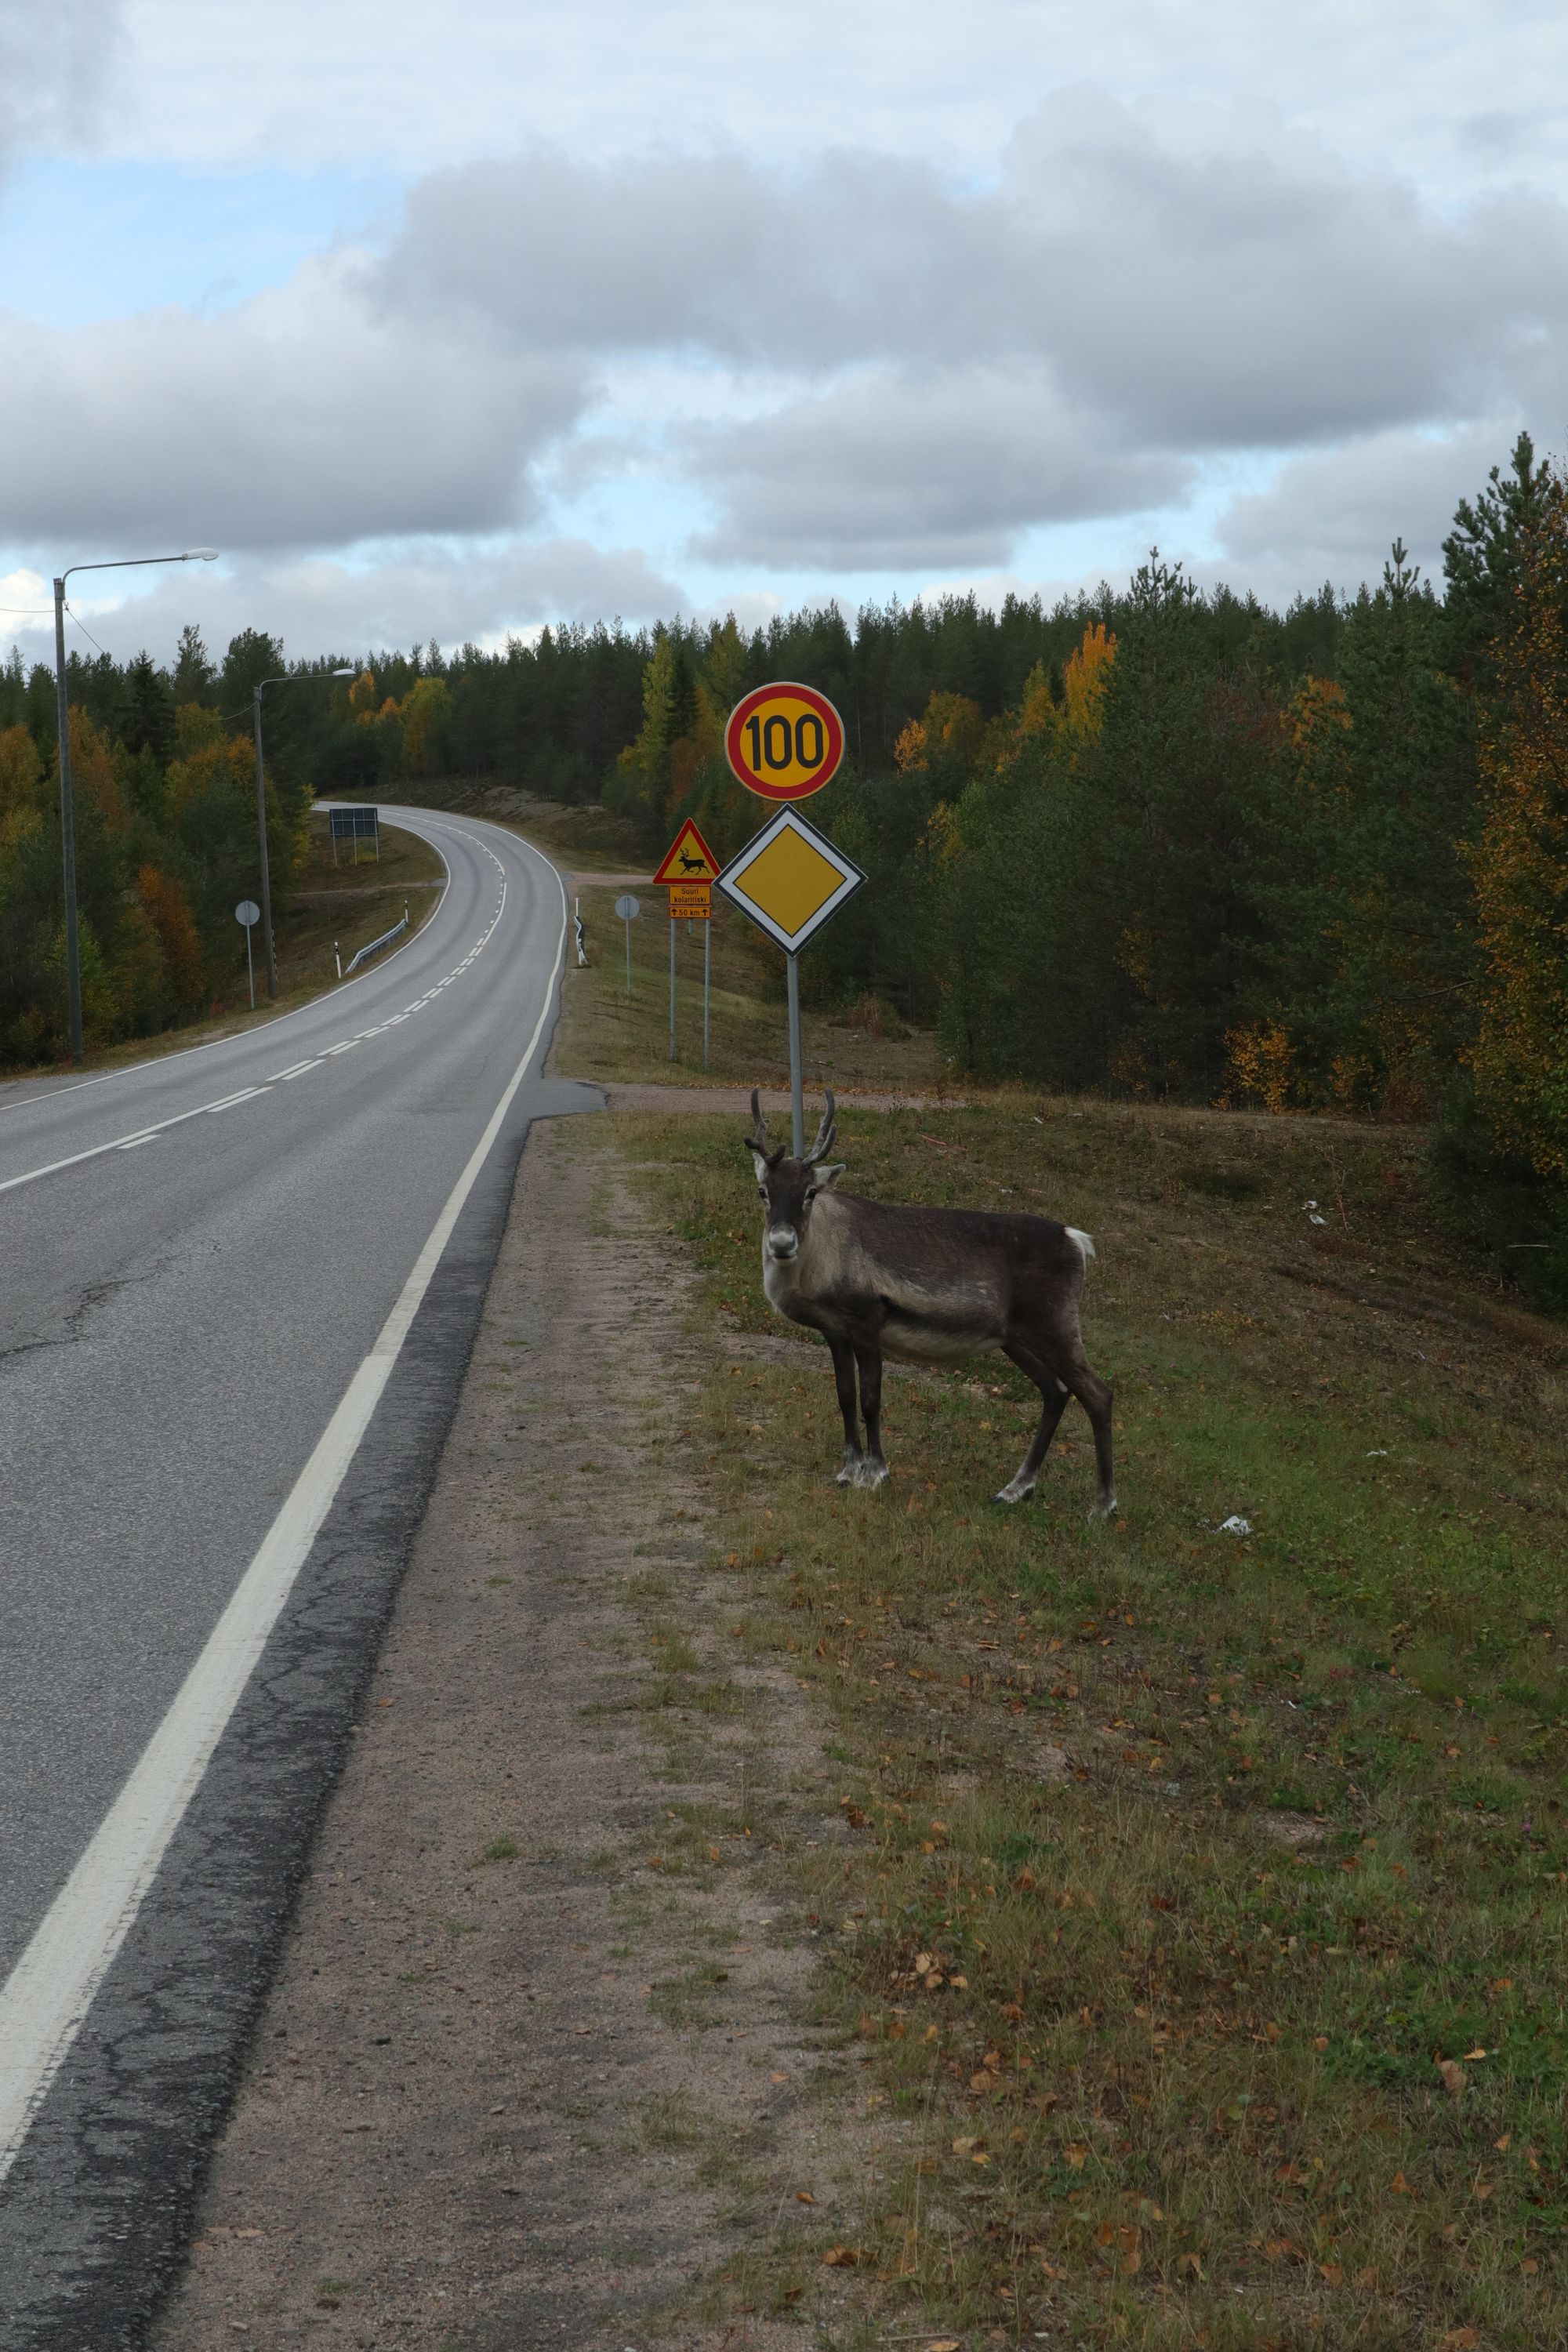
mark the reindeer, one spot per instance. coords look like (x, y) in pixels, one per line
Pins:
(935, 1285)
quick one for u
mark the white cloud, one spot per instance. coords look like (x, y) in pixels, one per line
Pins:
(1211, 280)
(786, 361)
(398, 596)
(305, 416)
(1333, 514)
(1457, 93)
(1136, 289)
(898, 468)
(55, 62)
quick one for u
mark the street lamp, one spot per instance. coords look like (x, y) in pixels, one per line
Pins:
(301, 678)
(67, 814)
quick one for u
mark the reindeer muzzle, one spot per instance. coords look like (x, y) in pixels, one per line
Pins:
(784, 1241)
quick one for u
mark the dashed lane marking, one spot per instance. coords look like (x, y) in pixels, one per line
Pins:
(139, 1136)
(46, 2000)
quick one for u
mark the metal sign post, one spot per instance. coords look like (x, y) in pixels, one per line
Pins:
(784, 741)
(688, 870)
(797, 1078)
(249, 912)
(628, 908)
(789, 880)
(355, 824)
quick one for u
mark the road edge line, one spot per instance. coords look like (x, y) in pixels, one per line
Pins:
(258, 1028)
(46, 2000)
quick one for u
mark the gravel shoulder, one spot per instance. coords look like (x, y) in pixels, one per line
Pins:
(535, 2069)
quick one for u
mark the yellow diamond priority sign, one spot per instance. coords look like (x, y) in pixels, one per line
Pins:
(789, 878)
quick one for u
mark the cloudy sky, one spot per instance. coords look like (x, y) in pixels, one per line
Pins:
(448, 325)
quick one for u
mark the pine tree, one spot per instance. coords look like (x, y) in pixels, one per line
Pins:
(194, 676)
(1481, 553)
(1520, 863)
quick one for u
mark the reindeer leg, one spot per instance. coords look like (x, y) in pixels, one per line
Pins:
(844, 1381)
(1094, 1395)
(1053, 1404)
(873, 1470)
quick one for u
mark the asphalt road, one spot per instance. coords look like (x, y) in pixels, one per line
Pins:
(197, 1258)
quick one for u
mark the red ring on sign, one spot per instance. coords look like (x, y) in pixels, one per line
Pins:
(750, 741)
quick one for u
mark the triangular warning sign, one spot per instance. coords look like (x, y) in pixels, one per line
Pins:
(687, 858)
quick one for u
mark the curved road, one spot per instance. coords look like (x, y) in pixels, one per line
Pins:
(239, 1285)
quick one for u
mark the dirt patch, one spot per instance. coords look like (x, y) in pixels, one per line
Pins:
(535, 2069)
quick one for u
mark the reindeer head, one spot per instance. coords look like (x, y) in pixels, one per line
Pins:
(788, 1186)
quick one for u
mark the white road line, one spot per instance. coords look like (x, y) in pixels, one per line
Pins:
(140, 1135)
(47, 1998)
(344, 1046)
(119, 1142)
(371, 971)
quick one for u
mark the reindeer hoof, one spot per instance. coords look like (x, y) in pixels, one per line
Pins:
(1013, 1493)
(872, 1474)
(1102, 1508)
(849, 1473)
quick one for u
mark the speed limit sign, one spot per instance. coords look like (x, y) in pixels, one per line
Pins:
(784, 740)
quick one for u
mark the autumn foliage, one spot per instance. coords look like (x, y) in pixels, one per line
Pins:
(165, 817)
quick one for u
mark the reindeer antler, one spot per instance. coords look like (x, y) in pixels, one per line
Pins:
(759, 1122)
(824, 1143)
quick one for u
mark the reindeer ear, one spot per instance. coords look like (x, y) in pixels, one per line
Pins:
(761, 1162)
(821, 1178)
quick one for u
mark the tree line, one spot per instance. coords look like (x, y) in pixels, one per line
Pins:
(1154, 841)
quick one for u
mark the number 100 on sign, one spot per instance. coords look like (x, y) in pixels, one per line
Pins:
(784, 741)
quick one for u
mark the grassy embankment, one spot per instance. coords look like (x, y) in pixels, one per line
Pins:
(347, 905)
(1202, 1918)
(1205, 1921)
(330, 904)
(610, 1034)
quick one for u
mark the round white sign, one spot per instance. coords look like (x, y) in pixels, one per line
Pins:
(248, 912)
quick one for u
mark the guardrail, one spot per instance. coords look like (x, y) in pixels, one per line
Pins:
(385, 940)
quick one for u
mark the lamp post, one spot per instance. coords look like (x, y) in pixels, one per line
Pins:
(67, 812)
(302, 678)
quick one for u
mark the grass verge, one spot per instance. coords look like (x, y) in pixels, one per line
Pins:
(1199, 1899)
(579, 835)
(612, 1033)
(341, 905)
(344, 907)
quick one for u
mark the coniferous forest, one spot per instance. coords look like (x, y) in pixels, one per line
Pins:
(1154, 842)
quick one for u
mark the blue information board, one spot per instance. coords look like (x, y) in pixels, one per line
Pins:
(355, 824)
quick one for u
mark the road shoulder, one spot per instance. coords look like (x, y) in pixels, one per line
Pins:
(534, 2067)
